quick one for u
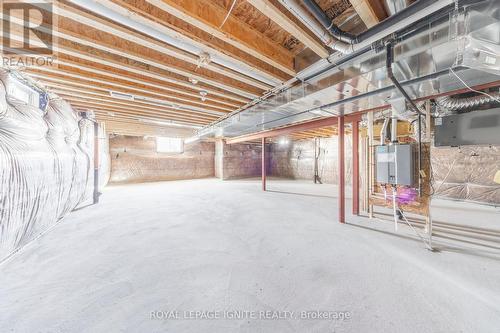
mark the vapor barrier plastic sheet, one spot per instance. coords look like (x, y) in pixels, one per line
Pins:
(46, 165)
(467, 173)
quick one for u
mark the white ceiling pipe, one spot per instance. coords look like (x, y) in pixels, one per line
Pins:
(310, 22)
(131, 20)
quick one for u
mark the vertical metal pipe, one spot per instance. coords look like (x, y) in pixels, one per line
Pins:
(340, 124)
(355, 168)
(428, 120)
(263, 167)
(390, 74)
(96, 162)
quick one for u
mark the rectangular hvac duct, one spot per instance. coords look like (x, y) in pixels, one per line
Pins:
(472, 128)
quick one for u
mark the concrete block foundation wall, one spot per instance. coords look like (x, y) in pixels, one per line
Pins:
(296, 160)
(134, 159)
(237, 160)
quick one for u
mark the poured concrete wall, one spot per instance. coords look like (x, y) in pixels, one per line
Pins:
(134, 159)
(237, 160)
(296, 160)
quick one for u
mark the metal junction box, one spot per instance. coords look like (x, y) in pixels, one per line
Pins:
(395, 164)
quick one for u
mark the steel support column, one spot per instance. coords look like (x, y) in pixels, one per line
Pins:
(341, 161)
(355, 168)
(263, 167)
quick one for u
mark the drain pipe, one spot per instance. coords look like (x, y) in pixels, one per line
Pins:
(304, 16)
(390, 74)
(392, 21)
(383, 131)
(328, 23)
(394, 125)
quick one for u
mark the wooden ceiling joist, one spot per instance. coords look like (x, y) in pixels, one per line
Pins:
(83, 74)
(135, 74)
(128, 120)
(160, 61)
(87, 70)
(69, 30)
(160, 92)
(135, 128)
(73, 12)
(150, 51)
(125, 112)
(96, 91)
(280, 18)
(78, 55)
(152, 103)
(127, 9)
(136, 106)
(207, 16)
(371, 12)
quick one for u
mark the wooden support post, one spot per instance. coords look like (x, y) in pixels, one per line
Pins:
(341, 161)
(263, 164)
(355, 168)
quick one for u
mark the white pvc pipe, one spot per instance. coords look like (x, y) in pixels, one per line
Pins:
(180, 42)
(383, 131)
(394, 125)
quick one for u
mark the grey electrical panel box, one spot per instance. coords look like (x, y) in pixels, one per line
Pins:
(471, 128)
(395, 164)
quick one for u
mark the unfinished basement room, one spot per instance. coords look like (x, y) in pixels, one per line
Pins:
(253, 166)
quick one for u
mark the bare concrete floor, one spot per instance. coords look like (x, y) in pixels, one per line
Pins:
(208, 245)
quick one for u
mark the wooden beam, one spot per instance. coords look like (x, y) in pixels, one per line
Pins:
(277, 16)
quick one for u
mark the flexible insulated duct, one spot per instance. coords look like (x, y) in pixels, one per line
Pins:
(454, 103)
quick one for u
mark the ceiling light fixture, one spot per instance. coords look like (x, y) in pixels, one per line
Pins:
(120, 95)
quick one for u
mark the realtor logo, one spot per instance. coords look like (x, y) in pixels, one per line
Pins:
(27, 33)
(27, 28)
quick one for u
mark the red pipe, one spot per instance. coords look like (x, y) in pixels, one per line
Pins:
(263, 167)
(341, 197)
(355, 168)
